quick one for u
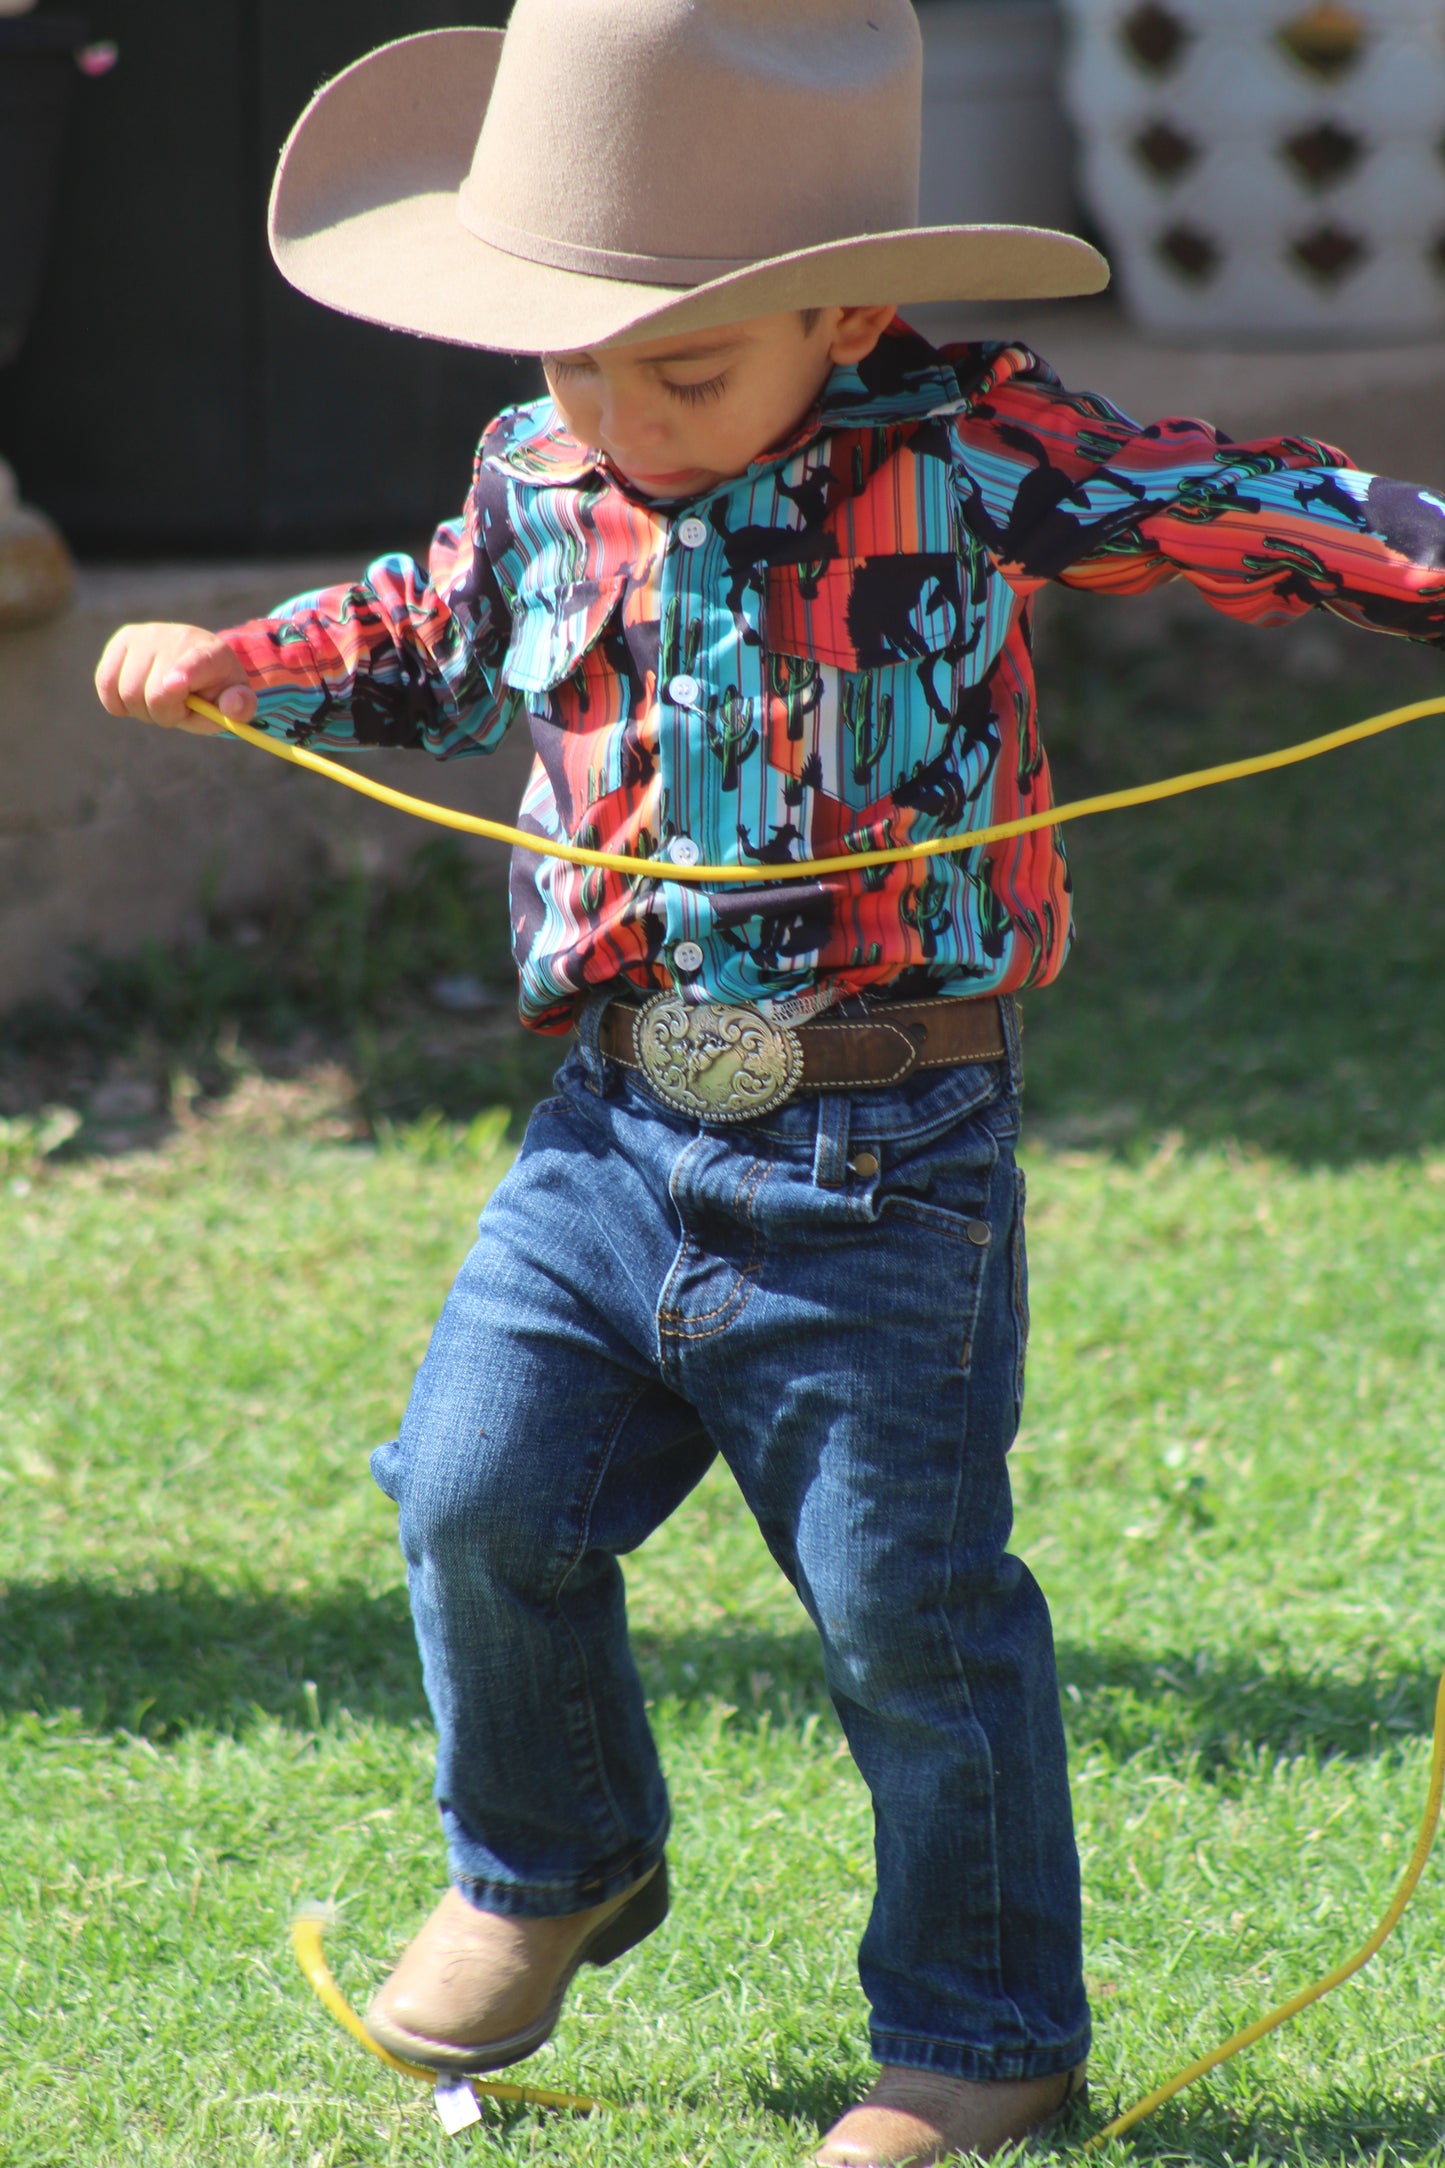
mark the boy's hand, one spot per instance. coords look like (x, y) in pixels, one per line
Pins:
(150, 671)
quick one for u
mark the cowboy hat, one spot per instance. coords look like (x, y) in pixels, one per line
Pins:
(606, 170)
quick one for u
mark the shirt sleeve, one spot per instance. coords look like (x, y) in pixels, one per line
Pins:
(404, 657)
(1062, 486)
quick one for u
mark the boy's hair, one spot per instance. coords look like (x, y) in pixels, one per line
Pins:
(811, 318)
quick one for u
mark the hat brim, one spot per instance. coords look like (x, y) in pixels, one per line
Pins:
(364, 219)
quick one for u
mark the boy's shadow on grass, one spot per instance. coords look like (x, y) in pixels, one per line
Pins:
(1195, 2127)
(191, 1656)
(1220, 1712)
(163, 1661)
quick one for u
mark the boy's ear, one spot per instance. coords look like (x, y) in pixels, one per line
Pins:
(858, 331)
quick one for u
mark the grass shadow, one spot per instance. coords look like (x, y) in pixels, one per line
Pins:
(1220, 1714)
(1372, 2126)
(813, 2095)
(1194, 2127)
(187, 1655)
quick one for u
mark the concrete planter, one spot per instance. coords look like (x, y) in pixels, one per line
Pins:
(995, 141)
(1266, 170)
(37, 577)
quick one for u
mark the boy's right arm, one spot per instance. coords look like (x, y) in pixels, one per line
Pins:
(409, 655)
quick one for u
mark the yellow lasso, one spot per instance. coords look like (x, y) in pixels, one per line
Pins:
(656, 869)
(1331, 1980)
(306, 1931)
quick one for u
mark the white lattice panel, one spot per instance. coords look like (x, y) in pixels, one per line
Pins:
(1267, 169)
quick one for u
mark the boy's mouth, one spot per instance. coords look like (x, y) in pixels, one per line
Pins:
(662, 485)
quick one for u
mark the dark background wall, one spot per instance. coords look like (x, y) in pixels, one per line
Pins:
(174, 393)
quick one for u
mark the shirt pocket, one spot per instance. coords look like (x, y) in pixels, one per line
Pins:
(555, 631)
(866, 613)
(862, 657)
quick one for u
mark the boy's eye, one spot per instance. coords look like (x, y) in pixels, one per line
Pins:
(557, 366)
(699, 394)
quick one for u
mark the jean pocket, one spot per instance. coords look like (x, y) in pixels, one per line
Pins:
(943, 1180)
(953, 1223)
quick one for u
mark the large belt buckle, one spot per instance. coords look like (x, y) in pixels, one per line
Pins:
(714, 1060)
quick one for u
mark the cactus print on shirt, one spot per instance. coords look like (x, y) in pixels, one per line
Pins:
(833, 655)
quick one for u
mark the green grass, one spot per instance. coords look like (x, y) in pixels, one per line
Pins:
(1230, 1482)
(1260, 962)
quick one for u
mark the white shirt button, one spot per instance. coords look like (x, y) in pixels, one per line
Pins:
(684, 690)
(687, 956)
(692, 532)
(684, 852)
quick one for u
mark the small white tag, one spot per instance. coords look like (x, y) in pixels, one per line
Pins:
(456, 2105)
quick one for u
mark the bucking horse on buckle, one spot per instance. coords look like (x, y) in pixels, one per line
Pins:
(714, 1060)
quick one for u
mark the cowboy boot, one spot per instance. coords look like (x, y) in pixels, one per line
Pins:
(913, 2118)
(475, 1990)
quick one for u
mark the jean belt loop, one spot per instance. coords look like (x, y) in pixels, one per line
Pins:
(830, 1149)
(589, 1025)
(1013, 1039)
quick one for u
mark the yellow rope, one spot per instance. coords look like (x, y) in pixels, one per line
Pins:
(306, 1932)
(1286, 2010)
(657, 869)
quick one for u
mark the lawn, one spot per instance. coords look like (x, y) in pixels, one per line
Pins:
(1229, 1481)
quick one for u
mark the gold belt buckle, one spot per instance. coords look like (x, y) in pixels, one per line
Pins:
(714, 1060)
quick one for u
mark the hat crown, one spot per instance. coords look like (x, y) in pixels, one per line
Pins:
(693, 136)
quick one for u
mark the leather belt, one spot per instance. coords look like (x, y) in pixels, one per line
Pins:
(727, 1063)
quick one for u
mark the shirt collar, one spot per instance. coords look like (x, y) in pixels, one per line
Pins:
(904, 379)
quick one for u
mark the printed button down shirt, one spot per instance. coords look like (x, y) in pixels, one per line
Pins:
(833, 654)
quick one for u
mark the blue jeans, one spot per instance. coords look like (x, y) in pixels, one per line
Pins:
(646, 1292)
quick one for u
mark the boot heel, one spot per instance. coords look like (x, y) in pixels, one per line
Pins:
(634, 1923)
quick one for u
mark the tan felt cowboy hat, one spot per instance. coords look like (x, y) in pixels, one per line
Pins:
(607, 170)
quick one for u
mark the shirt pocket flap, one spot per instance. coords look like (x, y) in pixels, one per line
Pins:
(863, 613)
(553, 628)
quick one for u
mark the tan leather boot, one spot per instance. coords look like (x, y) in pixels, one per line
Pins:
(912, 2118)
(476, 1990)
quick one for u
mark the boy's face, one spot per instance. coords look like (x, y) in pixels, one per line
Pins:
(676, 416)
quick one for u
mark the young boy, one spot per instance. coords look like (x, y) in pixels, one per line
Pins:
(756, 578)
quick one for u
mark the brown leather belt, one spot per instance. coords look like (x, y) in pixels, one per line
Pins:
(676, 1047)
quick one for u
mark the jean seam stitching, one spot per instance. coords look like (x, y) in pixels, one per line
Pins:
(961, 1670)
(1074, 2049)
(599, 1769)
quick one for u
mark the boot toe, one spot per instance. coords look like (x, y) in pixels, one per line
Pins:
(914, 2118)
(878, 2138)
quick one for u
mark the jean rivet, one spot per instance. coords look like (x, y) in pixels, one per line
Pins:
(865, 1165)
(978, 1233)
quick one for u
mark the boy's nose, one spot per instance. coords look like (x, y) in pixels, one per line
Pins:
(630, 425)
